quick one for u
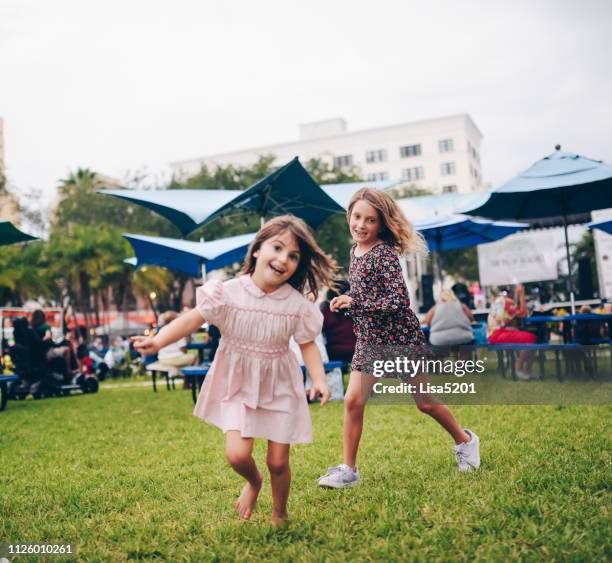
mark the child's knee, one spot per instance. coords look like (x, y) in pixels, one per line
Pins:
(354, 403)
(277, 465)
(237, 458)
(426, 407)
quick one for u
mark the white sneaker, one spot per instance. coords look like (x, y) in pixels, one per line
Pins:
(523, 375)
(468, 453)
(339, 477)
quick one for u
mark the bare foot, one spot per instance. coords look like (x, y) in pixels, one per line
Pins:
(248, 498)
(279, 519)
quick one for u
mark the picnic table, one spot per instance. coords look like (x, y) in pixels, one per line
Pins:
(200, 347)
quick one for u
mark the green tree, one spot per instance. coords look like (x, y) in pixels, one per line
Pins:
(23, 273)
(80, 204)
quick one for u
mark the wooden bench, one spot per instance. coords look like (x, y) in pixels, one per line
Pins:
(506, 355)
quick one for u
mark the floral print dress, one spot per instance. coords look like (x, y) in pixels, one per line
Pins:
(381, 307)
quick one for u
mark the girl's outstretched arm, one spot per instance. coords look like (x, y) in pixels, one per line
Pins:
(314, 365)
(178, 328)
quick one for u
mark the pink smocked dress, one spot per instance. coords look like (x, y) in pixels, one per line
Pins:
(255, 384)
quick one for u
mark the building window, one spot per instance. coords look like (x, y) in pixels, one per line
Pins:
(343, 161)
(447, 168)
(376, 156)
(449, 189)
(413, 174)
(410, 150)
(446, 145)
(377, 176)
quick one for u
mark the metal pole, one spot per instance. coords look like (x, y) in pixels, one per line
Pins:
(203, 264)
(570, 285)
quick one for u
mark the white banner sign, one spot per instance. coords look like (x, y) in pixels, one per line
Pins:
(519, 258)
(603, 254)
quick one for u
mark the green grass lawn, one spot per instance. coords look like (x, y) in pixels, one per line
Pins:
(129, 474)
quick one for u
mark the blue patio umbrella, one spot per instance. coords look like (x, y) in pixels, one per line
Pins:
(290, 189)
(188, 256)
(184, 208)
(458, 231)
(603, 225)
(558, 187)
(9, 234)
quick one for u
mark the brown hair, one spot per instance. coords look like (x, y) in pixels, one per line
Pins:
(397, 231)
(315, 268)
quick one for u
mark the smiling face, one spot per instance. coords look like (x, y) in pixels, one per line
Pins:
(365, 224)
(277, 260)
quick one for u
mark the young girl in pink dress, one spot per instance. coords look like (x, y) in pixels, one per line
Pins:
(254, 388)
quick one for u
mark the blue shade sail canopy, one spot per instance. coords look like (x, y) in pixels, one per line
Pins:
(188, 256)
(560, 185)
(186, 209)
(459, 231)
(604, 225)
(290, 189)
(9, 234)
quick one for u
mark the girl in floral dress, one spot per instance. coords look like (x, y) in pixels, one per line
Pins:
(254, 388)
(379, 303)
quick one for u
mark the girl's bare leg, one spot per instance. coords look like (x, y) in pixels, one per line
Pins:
(359, 389)
(239, 453)
(439, 412)
(280, 478)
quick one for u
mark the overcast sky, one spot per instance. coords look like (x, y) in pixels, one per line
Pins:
(119, 86)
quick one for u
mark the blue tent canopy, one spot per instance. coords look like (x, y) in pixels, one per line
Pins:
(560, 185)
(187, 256)
(9, 234)
(603, 225)
(184, 208)
(290, 189)
(459, 231)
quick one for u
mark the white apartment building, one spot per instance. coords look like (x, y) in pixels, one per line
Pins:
(441, 155)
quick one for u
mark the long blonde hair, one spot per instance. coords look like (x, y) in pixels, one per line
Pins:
(397, 230)
(315, 268)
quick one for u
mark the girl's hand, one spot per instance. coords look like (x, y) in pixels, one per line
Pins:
(321, 389)
(340, 302)
(145, 345)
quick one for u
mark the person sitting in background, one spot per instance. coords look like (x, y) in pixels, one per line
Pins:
(449, 321)
(504, 315)
(338, 328)
(86, 365)
(52, 351)
(115, 357)
(588, 331)
(214, 335)
(97, 351)
(174, 354)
